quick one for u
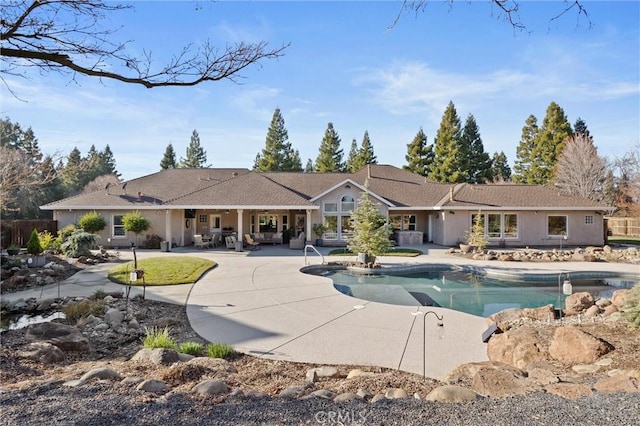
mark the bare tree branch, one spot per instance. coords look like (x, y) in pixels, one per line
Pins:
(579, 170)
(66, 36)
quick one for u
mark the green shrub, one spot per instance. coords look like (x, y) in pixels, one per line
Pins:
(83, 309)
(98, 295)
(190, 348)
(158, 338)
(79, 243)
(33, 245)
(92, 222)
(48, 241)
(151, 241)
(632, 306)
(219, 350)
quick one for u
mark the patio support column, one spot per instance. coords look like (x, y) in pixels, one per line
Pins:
(308, 230)
(167, 226)
(240, 229)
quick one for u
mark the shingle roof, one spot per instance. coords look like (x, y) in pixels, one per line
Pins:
(229, 188)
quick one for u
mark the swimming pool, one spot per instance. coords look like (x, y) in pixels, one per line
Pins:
(471, 291)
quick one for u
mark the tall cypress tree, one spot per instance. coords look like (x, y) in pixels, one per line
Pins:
(478, 167)
(524, 151)
(500, 169)
(196, 157)
(169, 158)
(419, 155)
(277, 155)
(329, 158)
(448, 161)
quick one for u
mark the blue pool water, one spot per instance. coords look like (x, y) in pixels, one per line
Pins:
(463, 291)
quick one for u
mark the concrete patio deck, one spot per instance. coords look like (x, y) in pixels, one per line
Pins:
(262, 304)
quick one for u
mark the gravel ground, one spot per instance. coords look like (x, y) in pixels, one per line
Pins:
(96, 404)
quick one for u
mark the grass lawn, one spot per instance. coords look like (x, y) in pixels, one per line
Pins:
(164, 270)
(392, 252)
(625, 240)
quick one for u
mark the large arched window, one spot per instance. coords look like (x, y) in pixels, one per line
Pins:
(337, 218)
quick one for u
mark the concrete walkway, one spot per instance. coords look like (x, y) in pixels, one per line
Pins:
(261, 303)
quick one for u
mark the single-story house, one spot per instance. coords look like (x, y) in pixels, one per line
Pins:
(183, 202)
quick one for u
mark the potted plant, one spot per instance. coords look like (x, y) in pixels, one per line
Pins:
(319, 229)
(13, 249)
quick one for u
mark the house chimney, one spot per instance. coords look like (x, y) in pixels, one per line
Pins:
(451, 194)
(139, 195)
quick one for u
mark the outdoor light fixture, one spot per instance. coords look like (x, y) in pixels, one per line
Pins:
(564, 287)
(439, 332)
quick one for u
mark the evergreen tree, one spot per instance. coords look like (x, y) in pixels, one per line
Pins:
(309, 167)
(196, 155)
(419, 155)
(478, 167)
(277, 155)
(370, 230)
(580, 127)
(108, 162)
(549, 143)
(366, 151)
(71, 172)
(449, 158)
(329, 158)
(524, 151)
(500, 169)
(169, 158)
(352, 160)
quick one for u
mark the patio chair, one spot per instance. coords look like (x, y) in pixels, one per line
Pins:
(251, 244)
(215, 240)
(199, 242)
(230, 241)
(298, 243)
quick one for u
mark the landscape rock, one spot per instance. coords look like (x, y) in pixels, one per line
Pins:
(326, 371)
(66, 337)
(542, 376)
(593, 311)
(519, 347)
(210, 387)
(347, 397)
(501, 383)
(571, 345)
(100, 374)
(618, 383)
(395, 393)
(158, 356)
(619, 297)
(113, 317)
(356, 372)
(569, 390)
(452, 394)
(153, 386)
(324, 394)
(45, 352)
(291, 392)
(578, 302)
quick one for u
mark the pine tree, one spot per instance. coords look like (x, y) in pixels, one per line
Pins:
(419, 155)
(71, 171)
(366, 151)
(277, 155)
(196, 155)
(580, 127)
(107, 162)
(169, 158)
(370, 230)
(448, 161)
(500, 169)
(479, 163)
(524, 151)
(549, 143)
(352, 159)
(309, 167)
(329, 158)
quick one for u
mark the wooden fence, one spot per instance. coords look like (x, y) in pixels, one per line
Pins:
(623, 226)
(19, 231)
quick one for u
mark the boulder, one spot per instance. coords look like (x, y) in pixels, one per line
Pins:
(113, 317)
(501, 383)
(395, 393)
(157, 356)
(519, 347)
(66, 337)
(618, 383)
(451, 393)
(571, 345)
(569, 390)
(291, 392)
(465, 372)
(323, 393)
(347, 397)
(542, 376)
(578, 302)
(153, 386)
(503, 318)
(100, 374)
(45, 352)
(619, 297)
(356, 372)
(210, 387)
(325, 371)
(593, 311)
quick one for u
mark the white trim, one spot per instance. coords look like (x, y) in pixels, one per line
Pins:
(360, 187)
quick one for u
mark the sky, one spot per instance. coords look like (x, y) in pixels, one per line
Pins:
(348, 64)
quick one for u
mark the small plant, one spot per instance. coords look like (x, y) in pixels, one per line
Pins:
(158, 338)
(49, 242)
(92, 222)
(83, 309)
(34, 247)
(190, 348)
(98, 295)
(319, 229)
(13, 249)
(136, 223)
(151, 241)
(79, 243)
(219, 350)
(632, 306)
(476, 237)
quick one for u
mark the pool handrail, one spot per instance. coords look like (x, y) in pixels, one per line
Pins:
(314, 249)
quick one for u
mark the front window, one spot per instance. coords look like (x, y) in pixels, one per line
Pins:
(400, 222)
(588, 219)
(268, 223)
(494, 227)
(118, 226)
(556, 226)
(330, 207)
(511, 225)
(497, 225)
(347, 204)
